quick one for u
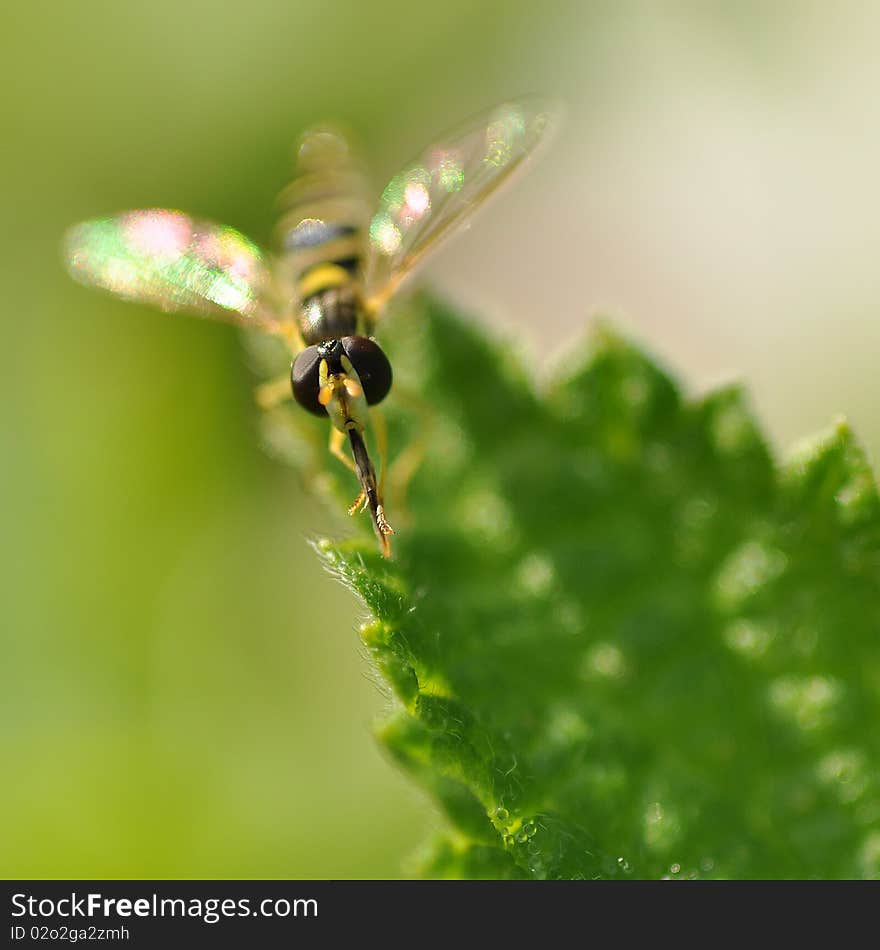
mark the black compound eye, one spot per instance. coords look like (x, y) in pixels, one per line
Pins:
(371, 365)
(304, 380)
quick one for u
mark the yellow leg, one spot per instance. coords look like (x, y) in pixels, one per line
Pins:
(408, 462)
(273, 392)
(402, 469)
(337, 441)
(289, 333)
(380, 427)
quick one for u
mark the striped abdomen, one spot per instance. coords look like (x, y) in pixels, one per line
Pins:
(324, 217)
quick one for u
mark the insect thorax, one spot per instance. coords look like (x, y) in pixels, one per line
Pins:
(332, 314)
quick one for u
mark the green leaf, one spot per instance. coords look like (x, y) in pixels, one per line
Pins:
(624, 642)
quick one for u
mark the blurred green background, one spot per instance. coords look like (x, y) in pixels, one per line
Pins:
(183, 689)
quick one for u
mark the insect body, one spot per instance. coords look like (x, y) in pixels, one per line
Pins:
(339, 260)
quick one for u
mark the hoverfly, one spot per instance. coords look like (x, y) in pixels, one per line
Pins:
(339, 260)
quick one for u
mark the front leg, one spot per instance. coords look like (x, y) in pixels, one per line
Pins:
(273, 392)
(337, 442)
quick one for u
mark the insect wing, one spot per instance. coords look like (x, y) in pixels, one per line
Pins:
(439, 192)
(175, 262)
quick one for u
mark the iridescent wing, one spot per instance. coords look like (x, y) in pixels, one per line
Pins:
(440, 191)
(175, 262)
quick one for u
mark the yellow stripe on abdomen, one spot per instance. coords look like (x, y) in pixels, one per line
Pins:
(322, 277)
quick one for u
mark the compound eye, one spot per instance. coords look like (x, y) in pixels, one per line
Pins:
(371, 365)
(304, 380)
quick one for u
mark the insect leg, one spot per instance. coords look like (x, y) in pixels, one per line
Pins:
(408, 462)
(380, 427)
(273, 392)
(337, 441)
(336, 446)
